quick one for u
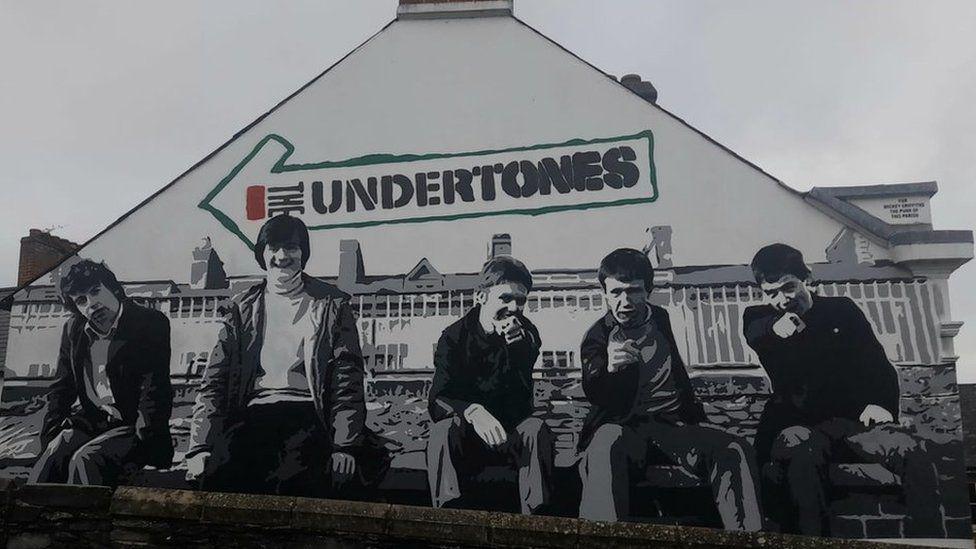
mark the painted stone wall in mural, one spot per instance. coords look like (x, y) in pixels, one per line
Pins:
(777, 393)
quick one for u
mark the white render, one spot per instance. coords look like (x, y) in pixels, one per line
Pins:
(458, 85)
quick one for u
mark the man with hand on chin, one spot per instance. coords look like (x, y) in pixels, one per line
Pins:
(835, 395)
(481, 397)
(281, 408)
(643, 406)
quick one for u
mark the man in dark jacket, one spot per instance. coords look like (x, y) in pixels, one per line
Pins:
(114, 362)
(481, 398)
(643, 406)
(281, 408)
(835, 395)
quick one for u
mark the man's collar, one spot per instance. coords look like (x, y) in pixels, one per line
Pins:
(93, 332)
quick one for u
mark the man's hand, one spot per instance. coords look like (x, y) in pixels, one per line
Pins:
(874, 414)
(621, 356)
(485, 425)
(343, 467)
(196, 467)
(788, 325)
(511, 329)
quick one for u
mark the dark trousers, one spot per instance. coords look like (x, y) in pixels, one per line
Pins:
(455, 455)
(797, 486)
(618, 455)
(77, 457)
(279, 448)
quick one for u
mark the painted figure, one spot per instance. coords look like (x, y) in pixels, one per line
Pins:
(114, 362)
(835, 398)
(481, 398)
(281, 406)
(643, 407)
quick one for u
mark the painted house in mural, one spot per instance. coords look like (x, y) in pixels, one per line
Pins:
(458, 133)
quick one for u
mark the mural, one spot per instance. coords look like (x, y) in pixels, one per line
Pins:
(777, 393)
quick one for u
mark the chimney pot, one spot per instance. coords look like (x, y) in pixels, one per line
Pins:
(641, 87)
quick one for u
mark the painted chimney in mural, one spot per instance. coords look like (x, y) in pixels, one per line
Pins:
(39, 251)
(352, 271)
(499, 245)
(432, 9)
(658, 249)
(207, 270)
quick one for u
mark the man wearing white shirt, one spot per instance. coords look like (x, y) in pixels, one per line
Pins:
(281, 407)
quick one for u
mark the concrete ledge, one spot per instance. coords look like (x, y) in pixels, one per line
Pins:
(340, 516)
(154, 503)
(248, 509)
(510, 530)
(624, 534)
(443, 525)
(131, 516)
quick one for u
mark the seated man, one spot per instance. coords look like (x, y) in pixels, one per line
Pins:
(114, 361)
(481, 397)
(835, 396)
(281, 408)
(642, 405)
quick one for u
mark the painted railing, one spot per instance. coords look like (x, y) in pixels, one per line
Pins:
(707, 321)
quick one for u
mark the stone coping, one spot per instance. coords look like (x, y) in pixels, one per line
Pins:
(381, 521)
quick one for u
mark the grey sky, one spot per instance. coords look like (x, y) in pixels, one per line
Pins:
(104, 102)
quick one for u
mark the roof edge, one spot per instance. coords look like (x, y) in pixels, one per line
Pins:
(454, 9)
(677, 118)
(884, 190)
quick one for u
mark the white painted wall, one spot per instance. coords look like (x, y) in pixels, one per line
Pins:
(460, 85)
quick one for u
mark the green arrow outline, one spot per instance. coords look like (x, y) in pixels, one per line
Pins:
(372, 159)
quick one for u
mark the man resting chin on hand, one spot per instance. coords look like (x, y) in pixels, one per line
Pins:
(481, 395)
(835, 396)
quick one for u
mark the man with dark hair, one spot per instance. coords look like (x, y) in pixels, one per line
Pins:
(114, 361)
(481, 398)
(835, 396)
(643, 406)
(281, 408)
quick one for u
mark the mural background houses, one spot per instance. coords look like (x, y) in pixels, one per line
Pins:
(401, 316)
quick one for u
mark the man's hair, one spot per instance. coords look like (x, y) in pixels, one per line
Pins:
(83, 276)
(278, 230)
(775, 261)
(626, 264)
(504, 269)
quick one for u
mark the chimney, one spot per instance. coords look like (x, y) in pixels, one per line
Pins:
(658, 250)
(352, 271)
(501, 244)
(642, 88)
(435, 9)
(207, 270)
(39, 252)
